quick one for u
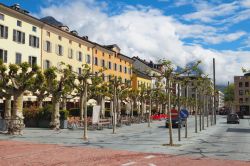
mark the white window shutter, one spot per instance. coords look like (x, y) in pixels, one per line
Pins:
(56, 49)
(44, 45)
(62, 50)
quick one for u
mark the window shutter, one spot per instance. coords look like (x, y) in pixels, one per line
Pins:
(37, 42)
(50, 47)
(45, 46)
(6, 32)
(62, 51)
(77, 55)
(56, 49)
(23, 38)
(69, 55)
(14, 35)
(5, 59)
(30, 41)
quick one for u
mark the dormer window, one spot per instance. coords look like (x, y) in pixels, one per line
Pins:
(19, 23)
(34, 29)
(1, 16)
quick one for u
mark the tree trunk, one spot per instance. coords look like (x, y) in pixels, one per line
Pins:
(102, 105)
(55, 121)
(81, 106)
(169, 115)
(64, 104)
(203, 112)
(40, 104)
(85, 134)
(132, 108)
(16, 123)
(7, 107)
(196, 110)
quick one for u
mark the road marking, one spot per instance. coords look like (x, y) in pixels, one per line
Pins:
(149, 157)
(151, 164)
(127, 164)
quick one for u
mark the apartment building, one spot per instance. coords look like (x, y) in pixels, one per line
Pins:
(140, 79)
(61, 45)
(241, 93)
(20, 36)
(112, 62)
(146, 68)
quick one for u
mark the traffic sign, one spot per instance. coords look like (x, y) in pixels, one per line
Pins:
(184, 113)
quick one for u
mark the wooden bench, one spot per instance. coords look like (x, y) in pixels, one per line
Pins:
(104, 122)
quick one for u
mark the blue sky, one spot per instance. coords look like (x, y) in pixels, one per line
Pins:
(180, 30)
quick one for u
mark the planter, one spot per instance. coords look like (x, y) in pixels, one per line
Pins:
(31, 123)
(63, 124)
(43, 123)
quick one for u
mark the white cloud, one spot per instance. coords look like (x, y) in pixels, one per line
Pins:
(147, 33)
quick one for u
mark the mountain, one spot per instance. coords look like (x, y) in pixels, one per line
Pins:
(51, 20)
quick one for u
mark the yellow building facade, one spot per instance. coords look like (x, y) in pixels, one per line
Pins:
(60, 45)
(20, 36)
(112, 62)
(140, 79)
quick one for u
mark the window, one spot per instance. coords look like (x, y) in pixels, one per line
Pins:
(47, 64)
(115, 66)
(3, 32)
(3, 55)
(47, 46)
(71, 53)
(246, 99)
(1, 16)
(88, 59)
(246, 84)
(246, 92)
(103, 54)
(120, 68)
(109, 56)
(88, 49)
(60, 37)
(34, 41)
(18, 36)
(240, 92)
(240, 84)
(96, 61)
(19, 23)
(80, 45)
(18, 58)
(129, 71)
(241, 100)
(125, 70)
(103, 63)
(34, 29)
(96, 51)
(32, 60)
(48, 33)
(70, 41)
(79, 70)
(110, 65)
(79, 56)
(59, 50)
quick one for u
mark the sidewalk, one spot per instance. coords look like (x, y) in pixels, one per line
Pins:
(23, 153)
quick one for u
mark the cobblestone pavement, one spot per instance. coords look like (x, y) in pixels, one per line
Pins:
(21, 153)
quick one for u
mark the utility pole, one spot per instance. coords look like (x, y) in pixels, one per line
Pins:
(150, 105)
(214, 92)
(186, 105)
(196, 110)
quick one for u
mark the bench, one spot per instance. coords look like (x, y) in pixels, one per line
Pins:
(103, 122)
(125, 121)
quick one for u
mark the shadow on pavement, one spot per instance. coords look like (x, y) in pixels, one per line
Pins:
(239, 130)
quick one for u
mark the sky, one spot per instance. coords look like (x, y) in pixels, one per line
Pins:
(182, 31)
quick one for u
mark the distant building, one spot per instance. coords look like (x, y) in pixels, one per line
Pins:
(220, 99)
(241, 93)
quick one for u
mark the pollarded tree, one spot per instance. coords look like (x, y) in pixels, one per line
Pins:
(56, 87)
(22, 76)
(6, 90)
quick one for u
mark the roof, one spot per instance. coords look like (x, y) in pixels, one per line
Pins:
(141, 74)
(108, 47)
(146, 63)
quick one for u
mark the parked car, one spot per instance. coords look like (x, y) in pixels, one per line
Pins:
(233, 118)
(175, 122)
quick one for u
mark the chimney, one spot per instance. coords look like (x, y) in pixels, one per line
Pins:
(85, 37)
(16, 6)
(74, 32)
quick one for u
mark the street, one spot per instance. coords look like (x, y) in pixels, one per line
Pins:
(223, 141)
